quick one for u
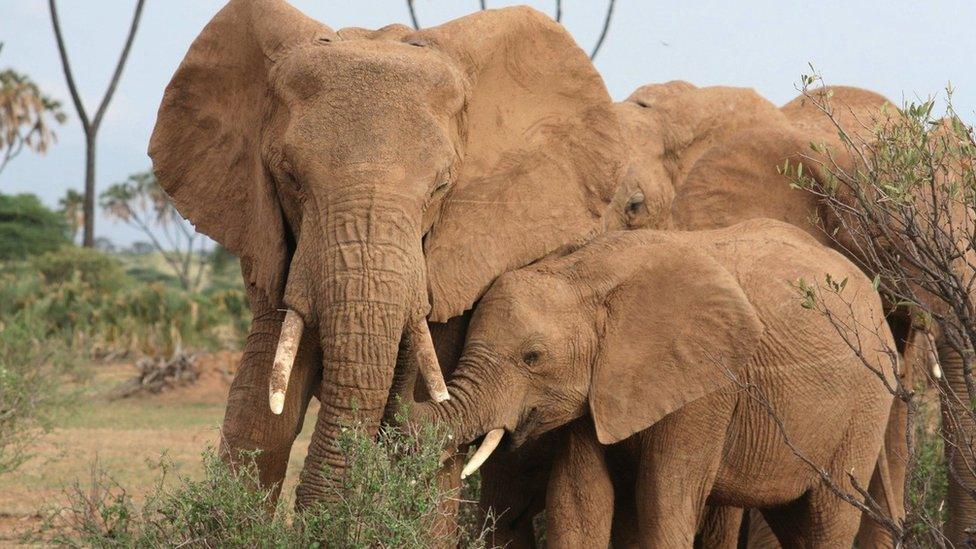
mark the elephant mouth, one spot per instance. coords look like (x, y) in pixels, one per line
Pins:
(505, 438)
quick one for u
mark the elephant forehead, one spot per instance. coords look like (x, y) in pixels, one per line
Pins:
(527, 299)
(358, 68)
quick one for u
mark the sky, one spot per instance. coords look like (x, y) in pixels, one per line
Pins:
(904, 49)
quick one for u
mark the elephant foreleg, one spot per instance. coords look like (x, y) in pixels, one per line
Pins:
(249, 426)
(580, 496)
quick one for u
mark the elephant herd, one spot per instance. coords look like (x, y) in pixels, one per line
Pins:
(607, 287)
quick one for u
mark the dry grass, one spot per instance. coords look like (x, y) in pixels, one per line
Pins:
(127, 437)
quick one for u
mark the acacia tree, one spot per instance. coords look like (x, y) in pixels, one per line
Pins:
(558, 16)
(92, 125)
(141, 203)
(26, 114)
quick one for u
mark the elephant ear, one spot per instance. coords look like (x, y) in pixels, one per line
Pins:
(676, 329)
(540, 153)
(206, 146)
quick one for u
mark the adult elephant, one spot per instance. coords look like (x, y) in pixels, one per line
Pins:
(705, 158)
(666, 128)
(371, 181)
(741, 178)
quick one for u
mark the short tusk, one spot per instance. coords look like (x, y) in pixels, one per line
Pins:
(480, 456)
(291, 336)
(430, 370)
(934, 358)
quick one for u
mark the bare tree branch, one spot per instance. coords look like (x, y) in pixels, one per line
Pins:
(483, 6)
(606, 27)
(413, 14)
(559, 11)
(117, 74)
(66, 67)
(90, 126)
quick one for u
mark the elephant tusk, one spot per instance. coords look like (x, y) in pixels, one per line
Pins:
(934, 358)
(430, 370)
(480, 456)
(291, 336)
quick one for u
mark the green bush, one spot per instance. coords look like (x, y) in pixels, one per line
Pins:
(83, 297)
(928, 480)
(29, 396)
(388, 498)
(96, 270)
(28, 228)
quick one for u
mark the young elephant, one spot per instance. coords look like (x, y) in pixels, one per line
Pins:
(681, 347)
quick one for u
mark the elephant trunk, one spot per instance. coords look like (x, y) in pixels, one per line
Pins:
(960, 430)
(370, 288)
(474, 408)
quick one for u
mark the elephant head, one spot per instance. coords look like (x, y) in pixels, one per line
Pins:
(666, 128)
(370, 180)
(629, 328)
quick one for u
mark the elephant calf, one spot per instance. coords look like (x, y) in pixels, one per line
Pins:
(684, 349)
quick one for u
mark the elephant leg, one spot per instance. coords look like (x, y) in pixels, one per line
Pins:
(673, 486)
(513, 488)
(249, 426)
(817, 520)
(888, 481)
(719, 528)
(820, 518)
(960, 432)
(580, 496)
(758, 533)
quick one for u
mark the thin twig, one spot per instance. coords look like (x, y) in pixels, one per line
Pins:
(413, 15)
(606, 27)
(66, 67)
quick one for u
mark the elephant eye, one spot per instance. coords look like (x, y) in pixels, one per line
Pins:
(635, 202)
(531, 357)
(440, 186)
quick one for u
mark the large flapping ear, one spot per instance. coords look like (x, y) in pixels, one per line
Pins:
(206, 146)
(540, 155)
(677, 328)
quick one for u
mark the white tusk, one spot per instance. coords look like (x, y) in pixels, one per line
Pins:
(291, 336)
(934, 358)
(480, 456)
(430, 370)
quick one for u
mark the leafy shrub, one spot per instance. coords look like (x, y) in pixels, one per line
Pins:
(84, 298)
(928, 480)
(28, 228)
(388, 498)
(96, 270)
(29, 396)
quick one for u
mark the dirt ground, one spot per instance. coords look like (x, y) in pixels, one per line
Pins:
(127, 438)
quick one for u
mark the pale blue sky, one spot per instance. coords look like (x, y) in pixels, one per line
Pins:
(901, 48)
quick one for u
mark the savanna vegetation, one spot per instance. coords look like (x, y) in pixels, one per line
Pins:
(73, 320)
